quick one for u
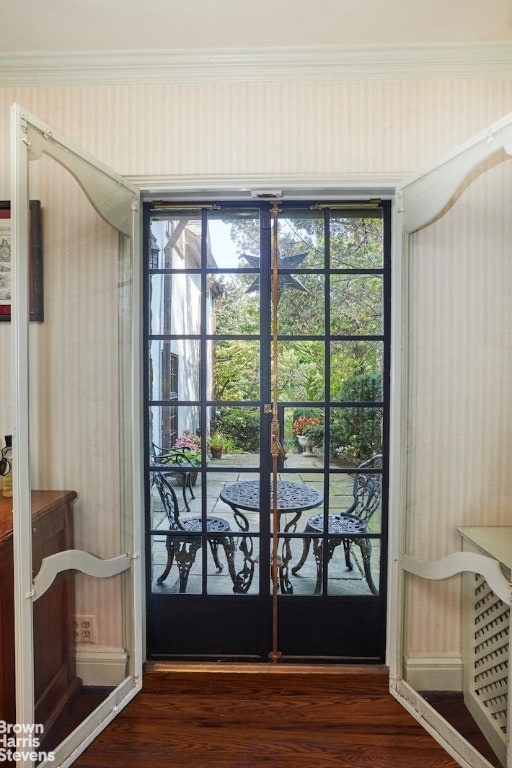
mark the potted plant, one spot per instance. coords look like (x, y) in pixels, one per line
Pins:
(315, 435)
(186, 451)
(309, 432)
(217, 444)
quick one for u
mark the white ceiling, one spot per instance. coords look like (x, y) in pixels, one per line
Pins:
(44, 26)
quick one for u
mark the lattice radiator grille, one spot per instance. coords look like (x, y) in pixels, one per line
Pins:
(490, 654)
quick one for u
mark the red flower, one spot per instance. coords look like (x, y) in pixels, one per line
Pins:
(305, 421)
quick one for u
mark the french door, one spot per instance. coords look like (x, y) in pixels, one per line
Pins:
(266, 324)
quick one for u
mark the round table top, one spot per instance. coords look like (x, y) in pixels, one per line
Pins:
(290, 496)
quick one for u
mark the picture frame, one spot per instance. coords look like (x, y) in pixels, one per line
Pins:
(36, 297)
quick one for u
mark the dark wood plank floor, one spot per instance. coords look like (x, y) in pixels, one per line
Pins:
(285, 720)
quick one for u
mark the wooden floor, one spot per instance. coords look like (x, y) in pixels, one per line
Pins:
(279, 719)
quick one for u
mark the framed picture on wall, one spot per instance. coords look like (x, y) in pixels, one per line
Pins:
(35, 262)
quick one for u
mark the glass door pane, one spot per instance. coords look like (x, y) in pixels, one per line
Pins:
(204, 431)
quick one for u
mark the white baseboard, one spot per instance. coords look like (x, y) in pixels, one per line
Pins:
(100, 665)
(424, 672)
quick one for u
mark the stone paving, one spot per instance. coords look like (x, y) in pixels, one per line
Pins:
(236, 467)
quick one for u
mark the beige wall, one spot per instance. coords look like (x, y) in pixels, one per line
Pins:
(460, 384)
(310, 127)
(335, 127)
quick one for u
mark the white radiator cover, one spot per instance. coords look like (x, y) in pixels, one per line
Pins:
(486, 631)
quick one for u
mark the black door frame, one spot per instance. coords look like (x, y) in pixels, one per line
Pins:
(250, 617)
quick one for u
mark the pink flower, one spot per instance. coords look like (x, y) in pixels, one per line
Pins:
(188, 440)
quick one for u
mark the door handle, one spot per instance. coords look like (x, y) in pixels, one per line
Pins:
(276, 447)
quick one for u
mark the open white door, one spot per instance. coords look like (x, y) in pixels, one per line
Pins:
(76, 443)
(451, 485)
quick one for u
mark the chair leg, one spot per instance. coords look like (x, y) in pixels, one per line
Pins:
(243, 579)
(185, 484)
(185, 557)
(366, 551)
(285, 584)
(214, 547)
(228, 543)
(306, 544)
(189, 484)
(170, 558)
(319, 558)
(347, 543)
(318, 550)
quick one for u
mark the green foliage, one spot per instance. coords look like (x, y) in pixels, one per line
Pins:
(237, 311)
(355, 243)
(220, 442)
(186, 449)
(242, 427)
(301, 370)
(182, 457)
(217, 440)
(237, 370)
(315, 434)
(367, 387)
(357, 431)
(315, 431)
(350, 359)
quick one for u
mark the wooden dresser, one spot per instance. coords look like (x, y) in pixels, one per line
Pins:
(55, 681)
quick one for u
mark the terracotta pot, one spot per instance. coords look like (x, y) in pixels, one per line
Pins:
(193, 478)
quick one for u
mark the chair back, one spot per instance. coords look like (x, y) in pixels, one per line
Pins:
(178, 457)
(169, 500)
(156, 450)
(367, 489)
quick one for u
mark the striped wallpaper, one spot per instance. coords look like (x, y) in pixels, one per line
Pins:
(460, 417)
(460, 371)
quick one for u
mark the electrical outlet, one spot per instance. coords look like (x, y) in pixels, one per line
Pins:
(84, 628)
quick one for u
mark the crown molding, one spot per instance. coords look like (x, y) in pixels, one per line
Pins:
(273, 64)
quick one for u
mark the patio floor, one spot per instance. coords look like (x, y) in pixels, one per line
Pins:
(233, 468)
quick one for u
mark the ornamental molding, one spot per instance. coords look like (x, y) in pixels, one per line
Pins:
(418, 62)
(76, 559)
(462, 562)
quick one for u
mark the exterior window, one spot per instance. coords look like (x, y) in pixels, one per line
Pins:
(169, 424)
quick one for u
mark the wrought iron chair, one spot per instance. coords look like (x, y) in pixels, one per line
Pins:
(349, 527)
(184, 548)
(181, 466)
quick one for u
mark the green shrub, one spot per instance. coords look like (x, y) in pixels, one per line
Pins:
(315, 434)
(242, 427)
(357, 431)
